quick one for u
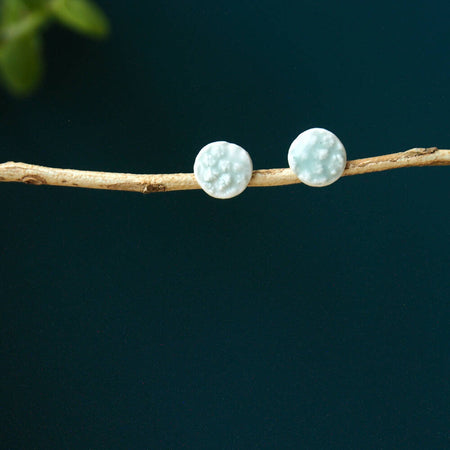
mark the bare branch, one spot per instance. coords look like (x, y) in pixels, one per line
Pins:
(40, 175)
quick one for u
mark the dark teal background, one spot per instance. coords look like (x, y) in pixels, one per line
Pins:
(286, 318)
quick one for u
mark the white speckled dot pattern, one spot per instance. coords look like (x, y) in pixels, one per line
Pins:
(317, 157)
(223, 170)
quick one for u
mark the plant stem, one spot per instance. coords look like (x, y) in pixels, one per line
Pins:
(40, 175)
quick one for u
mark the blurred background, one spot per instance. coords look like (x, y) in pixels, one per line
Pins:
(288, 317)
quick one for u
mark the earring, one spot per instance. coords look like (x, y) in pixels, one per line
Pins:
(223, 170)
(317, 157)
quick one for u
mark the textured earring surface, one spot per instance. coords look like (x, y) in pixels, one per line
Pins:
(317, 157)
(223, 170)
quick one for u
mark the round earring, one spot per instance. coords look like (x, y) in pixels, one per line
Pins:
(223, 170)
(317, 157)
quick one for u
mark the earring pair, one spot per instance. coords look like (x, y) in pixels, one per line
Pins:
(223, 170)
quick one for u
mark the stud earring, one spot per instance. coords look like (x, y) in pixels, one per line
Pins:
(223, 170)
(317, 157)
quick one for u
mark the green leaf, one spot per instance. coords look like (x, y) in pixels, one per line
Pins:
(12, 11)
(83, 16)
(33, 4)
(21, 64)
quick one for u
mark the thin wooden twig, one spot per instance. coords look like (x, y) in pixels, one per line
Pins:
(40, 175)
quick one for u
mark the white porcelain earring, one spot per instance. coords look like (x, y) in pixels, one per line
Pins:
(317, 157)
(223, 170)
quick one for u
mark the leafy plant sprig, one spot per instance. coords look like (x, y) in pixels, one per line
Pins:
(22, 23)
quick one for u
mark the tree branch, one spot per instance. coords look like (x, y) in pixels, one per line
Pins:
(40, 175)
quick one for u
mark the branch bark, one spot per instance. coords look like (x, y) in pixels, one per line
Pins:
(40, 175)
